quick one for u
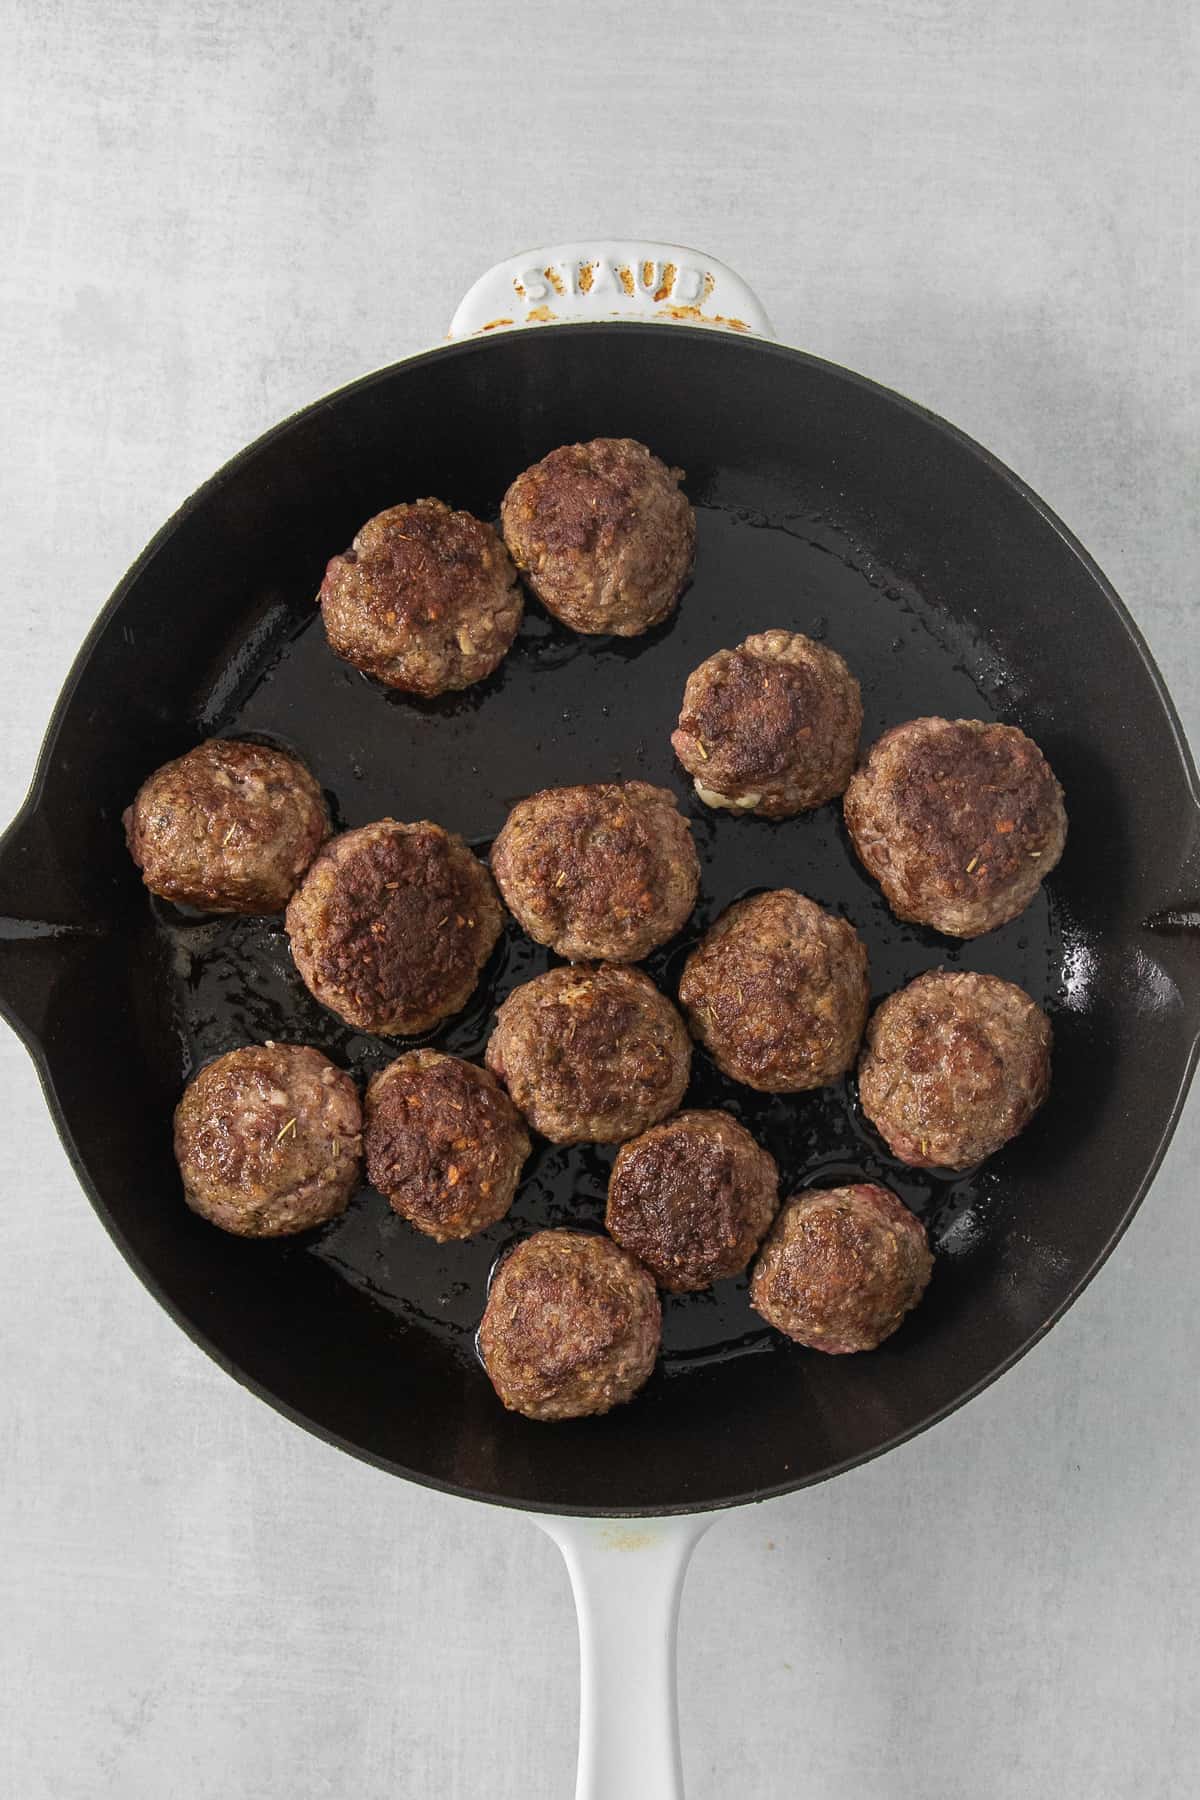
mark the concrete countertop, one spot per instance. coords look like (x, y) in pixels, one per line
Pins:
(215, 214)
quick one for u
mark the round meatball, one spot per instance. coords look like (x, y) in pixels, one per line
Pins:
(606, 872)
(427, 599)
(445, 1145)
(841, 1268)
(392, 924)
(954, 1065)
(777, 993)
(572, 1326)
(269, 1140)
(230, 827)
(958, 821)
(770, 728)
(602, 534)
(692, 1198)
(591, 1055)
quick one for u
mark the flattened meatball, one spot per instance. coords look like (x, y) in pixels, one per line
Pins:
(954, 1066)
(268, 1140)
(770, 728)
(692, 1198)
(392, 924)
(841, 1268)
(958, 821)
(777, 993)
(426, 600)
(606, 872)
(602, 534)
(230, 827)
(591, 1055)
(572, 1326)
(445, 1145)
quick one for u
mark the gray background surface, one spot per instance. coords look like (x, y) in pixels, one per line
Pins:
(215, 213)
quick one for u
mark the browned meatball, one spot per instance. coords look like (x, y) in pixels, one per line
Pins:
(777, 993)
(445, 1145)
(268, 1140)
(954, 1066)
(426, 600)
(607, 872)
(591, 1055)
(230, 827)
(958, 821)
(841, 1268)
(392, 925)
(692, 1198)
(572, 1326)
(602, 534)
(771, 727)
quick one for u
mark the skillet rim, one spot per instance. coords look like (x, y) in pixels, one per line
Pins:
(228, 472)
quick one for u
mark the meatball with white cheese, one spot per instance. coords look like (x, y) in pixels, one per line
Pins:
(770, 728)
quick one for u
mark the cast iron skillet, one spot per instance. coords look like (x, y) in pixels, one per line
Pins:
(825, 503)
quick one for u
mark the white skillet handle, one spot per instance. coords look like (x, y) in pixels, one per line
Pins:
(607, 278)
(627, 1576)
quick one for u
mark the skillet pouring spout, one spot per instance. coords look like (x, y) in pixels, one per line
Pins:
(46, 939)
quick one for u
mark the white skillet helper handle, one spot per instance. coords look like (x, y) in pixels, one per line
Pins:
(627, 1575)
(610, 278)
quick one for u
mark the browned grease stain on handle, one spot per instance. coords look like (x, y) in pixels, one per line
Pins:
(694, 313)
(663, 291)
(555, 279)
(587, 276)
(625, 277)
(539, 315)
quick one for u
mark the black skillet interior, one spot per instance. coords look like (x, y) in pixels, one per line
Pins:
(825, 504)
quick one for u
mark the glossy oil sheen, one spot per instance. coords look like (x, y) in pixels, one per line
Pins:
(566, 708)
(825, 504)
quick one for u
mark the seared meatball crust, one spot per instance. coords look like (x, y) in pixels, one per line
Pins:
(426, 600)
(777, 992)
(591, 1055)
(572, 1326)
(605, 872)
(841, 1268)
(602, 534)
(954, 1066)
(268, 1140)
(770, 728)
(392, 924)
(229, 828)
(444, 1143)
(692, 1198)
(960, 822)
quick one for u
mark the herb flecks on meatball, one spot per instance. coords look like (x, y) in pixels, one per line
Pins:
(268, 1140)
(602, 534)
(444, 1143)
(392, 925)
(426, 600)
(770, 728)
(229, 828)
(572, 1326)
(954, 1065)
(591, 1055)
(841, 1268)
(777, 992)
(692, 1199)
(959, 821)
(607, 871)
